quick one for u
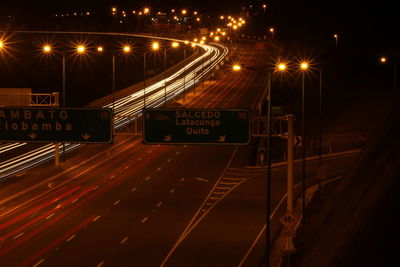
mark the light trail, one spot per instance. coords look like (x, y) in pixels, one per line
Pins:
(132, 105)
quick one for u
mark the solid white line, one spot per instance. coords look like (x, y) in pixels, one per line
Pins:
(38, 263)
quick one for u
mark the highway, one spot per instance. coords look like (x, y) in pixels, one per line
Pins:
(18, 157)
(132, 204)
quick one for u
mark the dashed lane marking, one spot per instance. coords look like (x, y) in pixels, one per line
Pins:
(96, 218)
(100, 264)
(116, 202)
(72, 237)
(38, 263)
(51, 215)
(144, 219)
(19, 235)
(124, 240)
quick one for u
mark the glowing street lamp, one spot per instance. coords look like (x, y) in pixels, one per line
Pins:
(46, 49)
(184, 11)
(80, 49)
(384, 60)
(146, 10)
(336, 39)
(236, 67)
(100, 49)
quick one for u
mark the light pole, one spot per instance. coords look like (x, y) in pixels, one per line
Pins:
(154, 46)
(173, 45)
(336, 36)
(384, 60)
(304, 67)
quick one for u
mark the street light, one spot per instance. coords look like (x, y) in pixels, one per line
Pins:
(304, 66)
(272, 30)
(384, 60)
(336, 36)
(154, 46)
(173, 45)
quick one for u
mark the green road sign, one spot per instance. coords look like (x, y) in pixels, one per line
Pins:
(196, 126)
(63, 125)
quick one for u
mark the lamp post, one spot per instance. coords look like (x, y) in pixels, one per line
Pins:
(336, 36)
(154, 46)
(173, 45)
(303, 67)
(384, 60)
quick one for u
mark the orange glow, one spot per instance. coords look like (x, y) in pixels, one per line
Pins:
(304, 65)
(126, 49)
(46, 48)
(80, 49)
(236, 68)
(146, 10)
(175, 44)
(383, 59)
(100, 49)
(155, 46)
(281, 66)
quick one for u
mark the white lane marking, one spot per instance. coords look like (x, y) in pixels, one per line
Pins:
(126, 167)
(51, 215)
(94, 188)
(219, 193)
(214, 198)
(124, 240)
(144, 219)
(139, 159)
(227, 183)
(96, 218)
(116, 202)
(159, 204)
(38, 263)
(159, 169)
(182, 179)
(222, 188)
(100, 264)
(169, 160)
(71, 237)
(147, 178)
(20, 174)
(19, 235)
(202, 179)
(233, 179)
(75, 200)
(111, 177)
(177, 152)
(171, 191)
(133, 189)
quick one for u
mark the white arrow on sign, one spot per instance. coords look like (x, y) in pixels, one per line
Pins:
(167, 138)
(32, 135)
(85, 136)
(298, 140)
(222, 138)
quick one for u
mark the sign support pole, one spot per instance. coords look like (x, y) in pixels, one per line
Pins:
(56, 154)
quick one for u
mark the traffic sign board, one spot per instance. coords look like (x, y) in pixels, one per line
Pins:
(63, 125)
(288, 220)
(196, 126)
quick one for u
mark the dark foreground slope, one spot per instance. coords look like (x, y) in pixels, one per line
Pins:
(356, 221)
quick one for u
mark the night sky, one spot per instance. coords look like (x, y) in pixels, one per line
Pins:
(359, 23)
